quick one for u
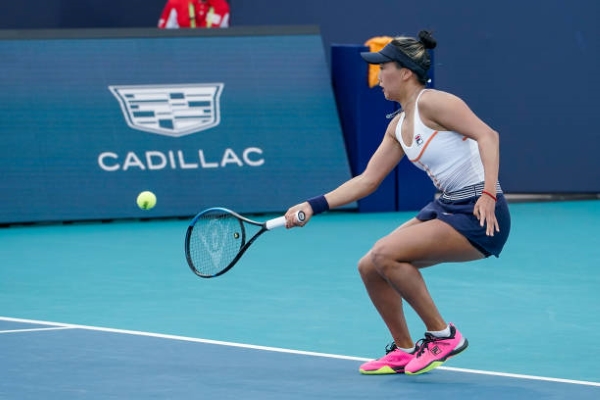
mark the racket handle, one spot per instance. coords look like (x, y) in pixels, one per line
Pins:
(280, 221)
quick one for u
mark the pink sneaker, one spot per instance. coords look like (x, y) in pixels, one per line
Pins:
(433, 351)
(393, 362)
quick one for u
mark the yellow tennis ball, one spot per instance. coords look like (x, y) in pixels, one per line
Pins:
(146, 200)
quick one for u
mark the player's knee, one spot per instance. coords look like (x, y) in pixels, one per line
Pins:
(381, 260)
(365, 266)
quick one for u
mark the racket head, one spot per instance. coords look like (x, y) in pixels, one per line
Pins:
(215, 240)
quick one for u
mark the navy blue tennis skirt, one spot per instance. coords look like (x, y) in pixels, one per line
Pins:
(459, 215)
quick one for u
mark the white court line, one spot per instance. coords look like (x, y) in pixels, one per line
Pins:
(56, 328)
(288, 351)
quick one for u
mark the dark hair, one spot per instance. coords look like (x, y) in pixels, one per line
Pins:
(417, 50)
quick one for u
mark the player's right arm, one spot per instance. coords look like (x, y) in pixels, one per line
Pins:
(382, 162)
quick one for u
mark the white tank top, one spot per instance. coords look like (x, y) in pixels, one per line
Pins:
(451, 160)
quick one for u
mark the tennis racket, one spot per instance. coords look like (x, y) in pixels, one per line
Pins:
(217, 238)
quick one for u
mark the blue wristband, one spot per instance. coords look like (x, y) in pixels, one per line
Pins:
(318, 204)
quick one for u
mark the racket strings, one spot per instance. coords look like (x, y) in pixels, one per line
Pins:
(215, 241)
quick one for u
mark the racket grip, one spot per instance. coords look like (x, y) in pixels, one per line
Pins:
(280, 221)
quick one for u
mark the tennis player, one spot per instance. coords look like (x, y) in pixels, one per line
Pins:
(470, 219)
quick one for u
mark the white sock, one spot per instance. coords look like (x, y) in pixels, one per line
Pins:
(410, 351)
(442, 334)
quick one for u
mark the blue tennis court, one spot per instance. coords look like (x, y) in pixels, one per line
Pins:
(111, 311)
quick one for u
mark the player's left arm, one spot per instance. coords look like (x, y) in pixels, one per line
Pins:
(446, 111)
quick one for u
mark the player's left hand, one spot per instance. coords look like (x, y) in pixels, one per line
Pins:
(484, 210)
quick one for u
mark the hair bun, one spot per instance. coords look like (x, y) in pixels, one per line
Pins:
(427, 39)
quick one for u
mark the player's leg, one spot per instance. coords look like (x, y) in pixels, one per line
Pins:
(388, 303)
(387, 281)
(398, 258)
(385, 298)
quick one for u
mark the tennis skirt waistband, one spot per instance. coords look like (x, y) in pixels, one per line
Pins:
(468, 192)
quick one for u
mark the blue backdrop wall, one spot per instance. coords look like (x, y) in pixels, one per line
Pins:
(527, 68)
(91, 118)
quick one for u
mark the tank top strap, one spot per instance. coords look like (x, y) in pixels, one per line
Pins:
(417, 115)
(399, 129)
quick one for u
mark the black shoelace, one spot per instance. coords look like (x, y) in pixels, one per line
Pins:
(423, 344)
(390, 347)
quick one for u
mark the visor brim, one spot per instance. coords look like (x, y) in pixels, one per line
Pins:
(375, 58)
